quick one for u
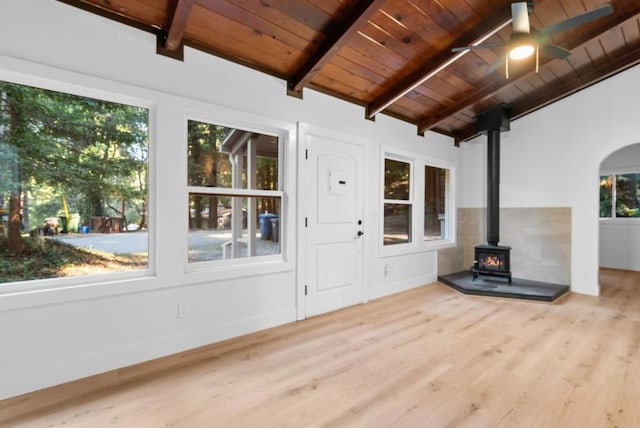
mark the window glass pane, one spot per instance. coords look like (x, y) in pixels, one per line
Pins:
(628, 195)
(606, 195)
(396, 180)
(73, 185)
(397, 224)
(231, 158)
(435, 215)
(215, 235)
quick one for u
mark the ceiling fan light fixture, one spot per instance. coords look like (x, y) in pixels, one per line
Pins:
(521, 51)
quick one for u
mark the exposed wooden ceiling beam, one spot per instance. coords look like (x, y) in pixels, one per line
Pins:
(620, 16)
(178, 24)
(337, 37)
(445, 58)
(561, 90)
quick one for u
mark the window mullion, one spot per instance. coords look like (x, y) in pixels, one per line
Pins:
(614, 195)
(234, 192)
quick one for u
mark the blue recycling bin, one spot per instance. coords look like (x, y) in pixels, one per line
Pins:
(265, 225)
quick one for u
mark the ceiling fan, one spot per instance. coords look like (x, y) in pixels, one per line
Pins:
(524, 40)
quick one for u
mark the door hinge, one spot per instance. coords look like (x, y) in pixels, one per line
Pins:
(306, 153)
(305, 289)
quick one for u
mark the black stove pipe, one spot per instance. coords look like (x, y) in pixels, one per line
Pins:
(492, 123)
(493, 186)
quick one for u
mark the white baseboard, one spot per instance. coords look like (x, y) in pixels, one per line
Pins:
(399, 286)
(100, 361)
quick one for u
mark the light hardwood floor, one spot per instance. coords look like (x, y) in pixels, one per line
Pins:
(429, 357)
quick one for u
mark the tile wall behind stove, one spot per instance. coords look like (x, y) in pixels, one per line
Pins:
(540, 238)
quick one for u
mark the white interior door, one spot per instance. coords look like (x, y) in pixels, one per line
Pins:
(333, 171)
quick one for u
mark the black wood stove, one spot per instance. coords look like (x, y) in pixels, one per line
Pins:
(493, 259)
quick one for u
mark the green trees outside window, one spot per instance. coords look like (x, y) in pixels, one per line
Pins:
(622, 192)
(68, 165)
(235, 200)
(436, 182)
(398, 202)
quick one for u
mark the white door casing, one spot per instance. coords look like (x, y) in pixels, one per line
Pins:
(332, 253)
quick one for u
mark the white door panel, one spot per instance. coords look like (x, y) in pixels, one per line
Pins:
(333, 188)
(338, 260)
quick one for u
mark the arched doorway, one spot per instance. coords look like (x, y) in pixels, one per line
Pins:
(619, 226)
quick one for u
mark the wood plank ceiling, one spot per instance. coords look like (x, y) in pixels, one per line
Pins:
(394, 56)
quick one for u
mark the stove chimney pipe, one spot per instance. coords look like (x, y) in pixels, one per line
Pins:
(493, 187)
(492, 123)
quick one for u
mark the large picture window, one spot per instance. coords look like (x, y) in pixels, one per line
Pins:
(73, 185)
(235, 198)
(620, 195)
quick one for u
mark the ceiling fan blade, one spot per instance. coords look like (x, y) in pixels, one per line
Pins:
(583, 18)
(520, 17)
(486, 45)
(555, 51)
(495, 65)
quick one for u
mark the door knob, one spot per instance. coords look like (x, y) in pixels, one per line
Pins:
(360, 233)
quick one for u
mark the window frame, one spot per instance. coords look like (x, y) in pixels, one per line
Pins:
(167, 116)
(613, 173)
(88, 88)
(282, 135)
(410, 201)
(448, 204)
(416, 198)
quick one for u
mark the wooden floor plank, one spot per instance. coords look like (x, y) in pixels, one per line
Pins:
(425, 357)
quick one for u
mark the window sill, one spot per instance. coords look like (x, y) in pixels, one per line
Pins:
(27, 294)
(413, 248)
(236, 268)
(620, 221)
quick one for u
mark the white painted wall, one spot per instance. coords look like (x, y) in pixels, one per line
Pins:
(53, 336)
(551, 158)
(620, 244)
(626, 159)
(620, 237)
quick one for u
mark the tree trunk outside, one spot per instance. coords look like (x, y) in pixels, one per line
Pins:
(15, 244)
(143, 217)
(14, 237)
(26, 221)
(124, 218)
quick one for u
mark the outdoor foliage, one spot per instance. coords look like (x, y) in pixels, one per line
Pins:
(627, 195)
(396, 179)
(60, 149)
(210, 166)
(435, 182)
(44, 258)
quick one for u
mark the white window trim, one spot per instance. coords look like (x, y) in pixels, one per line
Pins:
(450, 206)
(613, 219)
(28, 294)
(119, 97)
(397, 248)
(418, 244)
(243, 263)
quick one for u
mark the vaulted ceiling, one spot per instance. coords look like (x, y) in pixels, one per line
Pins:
(395, 57)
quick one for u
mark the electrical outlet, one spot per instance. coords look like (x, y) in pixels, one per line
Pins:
(387, 269)
(183, 310)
